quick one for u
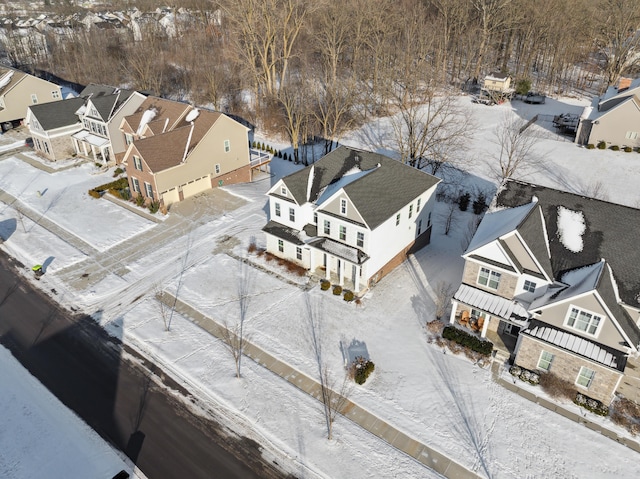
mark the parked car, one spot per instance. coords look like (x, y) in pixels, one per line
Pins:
(535, 98)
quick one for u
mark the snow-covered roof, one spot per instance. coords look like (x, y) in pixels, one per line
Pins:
(578, 281)
(588, 349)
(349, 177)
(571, 227)
(498, 223)
(492, 304)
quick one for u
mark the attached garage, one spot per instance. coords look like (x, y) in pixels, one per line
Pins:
(197, 186)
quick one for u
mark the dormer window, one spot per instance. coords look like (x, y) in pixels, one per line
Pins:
(283, 190)
(343, 206)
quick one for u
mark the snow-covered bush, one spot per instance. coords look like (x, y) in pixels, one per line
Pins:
(591, 404)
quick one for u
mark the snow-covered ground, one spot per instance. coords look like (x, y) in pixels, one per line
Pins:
(444, 401)
(42, 438)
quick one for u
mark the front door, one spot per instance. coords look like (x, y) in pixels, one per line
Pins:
(511, 329)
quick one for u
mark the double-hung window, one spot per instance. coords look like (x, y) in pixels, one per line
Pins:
(584, 321)
(137, 163)
(410, 211)
(343, 206)
(227, 146)
(217, 168)
(585, 377)
(545, 360)
(277, 209)
(327, 227)
(148, 189)
(360, 239)
(488, 278)
(418, 205)
(343, 233)
(292, 215)
(299, 253)
(281, 246)
(397, 219)
(136, 185)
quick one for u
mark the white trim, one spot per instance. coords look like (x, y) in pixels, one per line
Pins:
(489, 278)
(591, 379)
(585, 311)
(490, 266)
(533, 257)
(542, 351)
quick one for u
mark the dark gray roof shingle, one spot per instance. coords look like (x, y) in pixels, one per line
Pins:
(611, 233)
(57, 114)
(388, 187)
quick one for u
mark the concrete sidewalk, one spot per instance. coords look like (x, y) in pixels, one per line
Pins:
(426, 455)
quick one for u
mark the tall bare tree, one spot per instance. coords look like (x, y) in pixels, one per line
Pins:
(515, 155)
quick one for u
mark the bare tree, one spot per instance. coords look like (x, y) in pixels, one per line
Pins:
(450, 217)
(163, 308)
(444, 292)
(515, 154)
(234, 336)
(334, 111)
(333, 400)
(295, 112)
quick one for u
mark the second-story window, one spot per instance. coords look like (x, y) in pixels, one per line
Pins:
(327, 227)
(277, 209)
(397, 219)
(418, 206)
(343, 206)
(488, 278)
(584, 321)
(292, 215)
(217, 168)
(283, 190)
(128, 138)
(227, 146)
(343, 233)
(34, 98)
(360, 240)
(410, 211)
(529, 286)
(55, 94)
(137, 163)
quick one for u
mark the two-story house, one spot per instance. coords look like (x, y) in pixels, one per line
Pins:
(613, 118)
(19, 90)
(100, 138)
(351, 217)
(552, 278)
(176, 151)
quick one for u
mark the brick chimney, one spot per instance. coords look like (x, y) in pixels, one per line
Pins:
(624, 83)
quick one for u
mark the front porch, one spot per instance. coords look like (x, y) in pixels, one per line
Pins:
(92, 146)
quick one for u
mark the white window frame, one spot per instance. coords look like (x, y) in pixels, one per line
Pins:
(217, 168)
(343, 233)
(298, 253)
(281, 246)
(327, 227)
(360, 239)
(283, 190)
(583, 315)
(55, 94)
(545, 359)
(137, 163)
(418, 205)
(585, 375)
(148, 189)
(227, 146)
(631, 135)
(34, 99)
(410, 211)
(315, 218)
(397, 219)
(529, 286)
(128, 138)
(292, 215)
(343, 206)
(490, 274)
(136, 184)
(277, 209)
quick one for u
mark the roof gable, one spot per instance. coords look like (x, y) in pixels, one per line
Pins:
(57, 114)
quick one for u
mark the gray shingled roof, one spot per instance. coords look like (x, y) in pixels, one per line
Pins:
(57, 114)
(611, 233)
(107, 104)
(377, 196)
(532, 232)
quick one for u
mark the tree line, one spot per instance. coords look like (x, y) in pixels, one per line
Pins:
(315, 69)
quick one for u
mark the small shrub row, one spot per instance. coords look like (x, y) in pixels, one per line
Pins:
(591, 146)
(324, 284)
(348, 296)
(337, 290)
(592, 405)
(119, 184)
(117, 172)
(531, 377)
(361, 369)
(467, 340)
(602, 145)
(478, 205)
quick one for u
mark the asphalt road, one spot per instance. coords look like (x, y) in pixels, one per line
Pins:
(85, 368)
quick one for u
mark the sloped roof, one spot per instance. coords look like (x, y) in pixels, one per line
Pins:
(586, 348)
(498, 223)
(172, 111)
(108, 104)
(611, 233)
(533, 233)
(388, 186)
(167, 149)
(491, 303)
(58, 113)
(16, 76)
(94, 89)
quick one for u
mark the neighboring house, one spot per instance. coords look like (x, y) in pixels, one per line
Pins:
(613, 118)
(553, 280)
(51, 126)
(100, 138)
(498, 82)
(19, 90)
(351, 217)
(176, 151)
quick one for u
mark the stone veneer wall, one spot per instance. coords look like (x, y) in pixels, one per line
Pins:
(567, 366)
(506, 288)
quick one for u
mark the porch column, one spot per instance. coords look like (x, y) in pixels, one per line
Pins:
(454, 308)
(356, 280)
(327, 269)
(485, 326)
(311, 268)
(341, 272)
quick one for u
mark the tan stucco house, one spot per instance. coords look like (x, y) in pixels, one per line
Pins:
(553, 280)
(613, 118)
(176, 151)
(19, 90)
